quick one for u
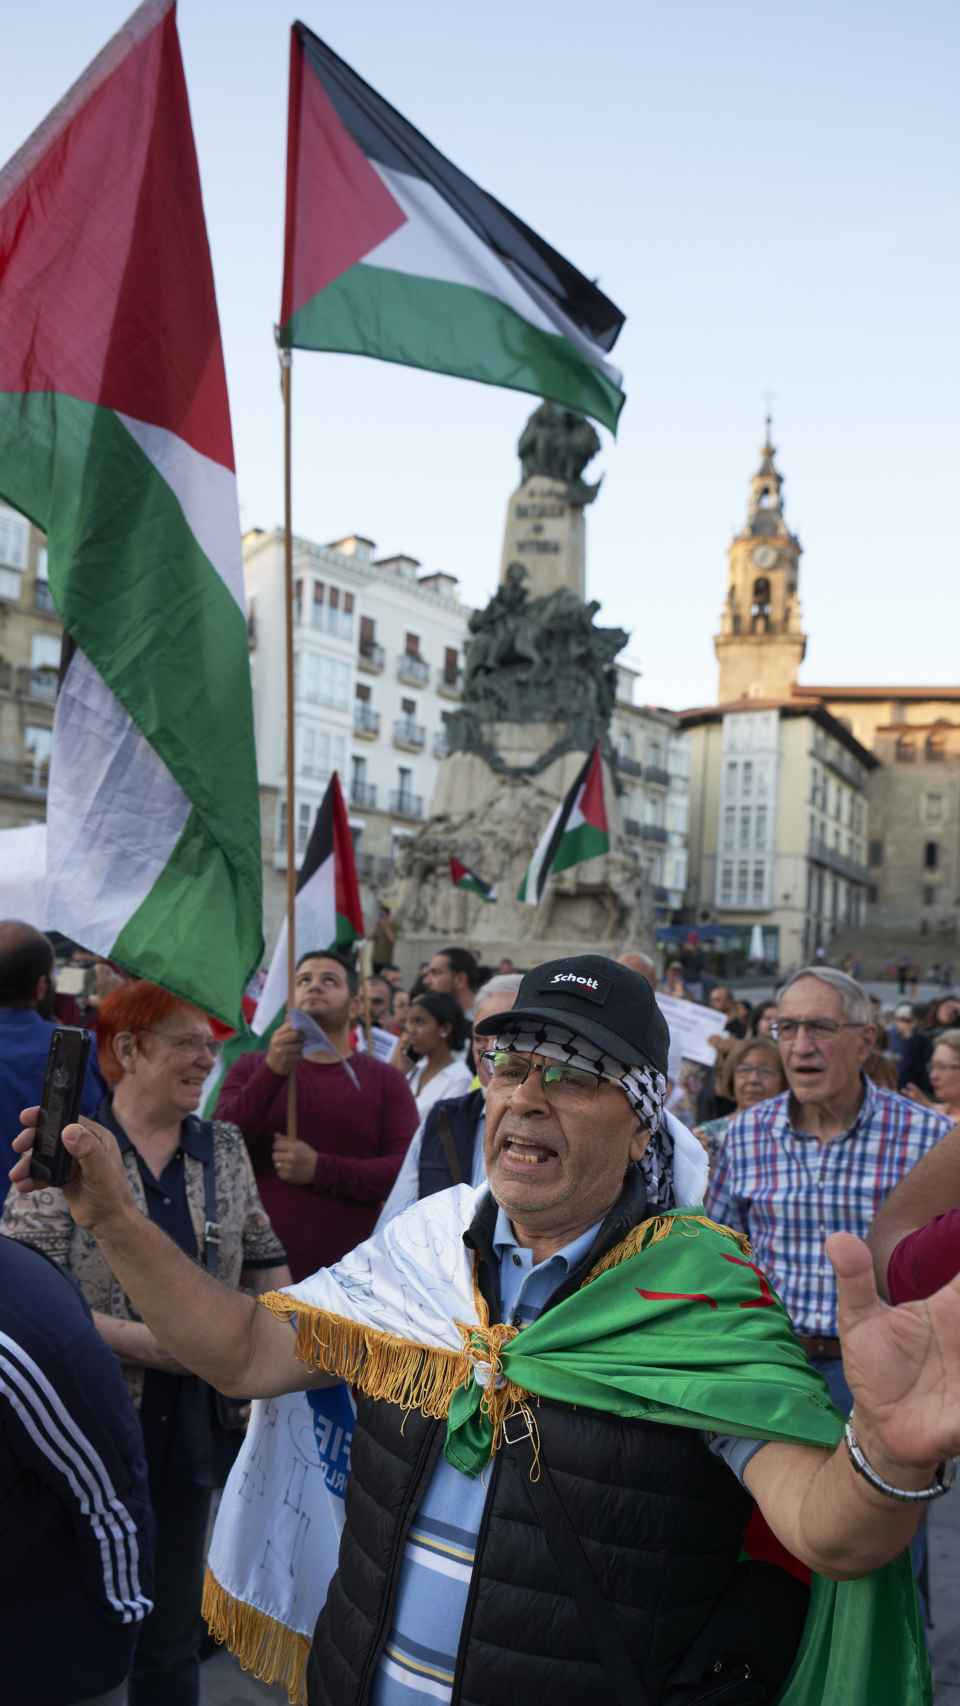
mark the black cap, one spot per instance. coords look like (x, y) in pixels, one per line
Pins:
(603, 1001)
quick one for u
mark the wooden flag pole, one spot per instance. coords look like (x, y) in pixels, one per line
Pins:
(286, 369)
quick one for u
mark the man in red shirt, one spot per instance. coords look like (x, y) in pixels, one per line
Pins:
(322, 1189)
(915, 1239)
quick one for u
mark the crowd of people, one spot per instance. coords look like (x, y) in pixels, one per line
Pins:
(544, 1094)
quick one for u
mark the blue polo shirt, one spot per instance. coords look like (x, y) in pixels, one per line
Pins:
(24, 1046)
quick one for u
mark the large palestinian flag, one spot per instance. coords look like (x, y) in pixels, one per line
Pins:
(115, 439)
(577, 830)
(392, 252)
(328, 911)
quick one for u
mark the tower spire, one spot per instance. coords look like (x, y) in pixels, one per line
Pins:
(761, 641)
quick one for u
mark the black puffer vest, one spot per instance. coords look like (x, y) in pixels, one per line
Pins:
(461, 1115)
(660, 1519)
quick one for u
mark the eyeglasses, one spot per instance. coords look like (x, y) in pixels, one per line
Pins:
(744, 1071)
(561, 1083)
(198, 1042)
(818, 1030)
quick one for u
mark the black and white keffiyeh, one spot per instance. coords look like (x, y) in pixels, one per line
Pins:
(644, 1088)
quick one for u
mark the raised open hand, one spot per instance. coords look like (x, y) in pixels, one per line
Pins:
(902, 1364)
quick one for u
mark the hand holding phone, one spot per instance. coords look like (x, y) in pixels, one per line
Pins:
(50, 1162)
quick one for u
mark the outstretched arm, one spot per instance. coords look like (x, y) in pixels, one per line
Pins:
(929, 1189)
(903, 1368)
(216, 1332)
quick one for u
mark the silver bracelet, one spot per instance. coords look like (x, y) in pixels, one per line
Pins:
(942, 1484)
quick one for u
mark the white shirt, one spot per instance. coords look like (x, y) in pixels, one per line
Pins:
(454, 1079)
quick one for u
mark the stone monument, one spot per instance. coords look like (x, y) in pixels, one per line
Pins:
(539, 690)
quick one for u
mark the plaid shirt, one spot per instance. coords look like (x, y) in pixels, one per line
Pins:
(787, 1191)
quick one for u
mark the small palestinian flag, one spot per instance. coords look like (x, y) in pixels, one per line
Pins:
(578, 830)
(463, 878)
(392, 252)
(328, 913)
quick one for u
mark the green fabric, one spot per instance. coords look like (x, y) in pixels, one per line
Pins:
(143, 602)
(449, 328)
(720, 1357)
(584, 842)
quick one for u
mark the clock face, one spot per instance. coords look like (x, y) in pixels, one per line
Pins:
(764, 556)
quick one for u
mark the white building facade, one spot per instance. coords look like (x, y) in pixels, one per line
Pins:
(653, 762)
(378, 668)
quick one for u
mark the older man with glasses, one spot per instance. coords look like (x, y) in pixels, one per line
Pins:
(820, 1158)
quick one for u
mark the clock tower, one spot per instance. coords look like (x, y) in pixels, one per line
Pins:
(761, 643)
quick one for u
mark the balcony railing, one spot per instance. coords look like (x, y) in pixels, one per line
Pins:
(403, 804)
(373, 868)
(43, 597)
(39, 684)
(450, 684)
(24, 776)
(653, 832)
(366, 722)
(371, 657)
(364, 795)
(6, 676)
(821, 854)
(411, 736)
(656, 773)
(631, 826)
(413, 670)
(629, 766)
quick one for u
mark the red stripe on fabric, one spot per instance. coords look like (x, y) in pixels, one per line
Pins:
(107, 289)
(677, 1296)
(592, 805)
(338, 209)
(458, 871)
(760, 1543)
(346, 887)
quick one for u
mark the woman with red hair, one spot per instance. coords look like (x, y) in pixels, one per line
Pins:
(194, 1179)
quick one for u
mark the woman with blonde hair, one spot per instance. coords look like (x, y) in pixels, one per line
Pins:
(750, 1072)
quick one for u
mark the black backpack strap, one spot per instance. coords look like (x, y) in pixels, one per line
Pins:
(210, 1253)
(449, 1146)
(573, 1566)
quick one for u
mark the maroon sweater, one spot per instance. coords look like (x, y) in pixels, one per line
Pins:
(360, 1137)
(926, 1259)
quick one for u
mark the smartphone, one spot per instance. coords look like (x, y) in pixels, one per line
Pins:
(50, 1163)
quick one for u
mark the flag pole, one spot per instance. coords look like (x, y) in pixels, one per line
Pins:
(286, 370)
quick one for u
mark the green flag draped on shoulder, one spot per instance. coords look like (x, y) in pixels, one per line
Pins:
(676, 1325)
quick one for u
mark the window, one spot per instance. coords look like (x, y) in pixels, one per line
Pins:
(304, 820)
(411, 645)
(451, 665)
(931, 856)
(409, 708)
(44, 651)
(323, 680)
(726, 883)
(298, 601)
(10, 581)
(362, 693)
(933, 808)
(743, 882)
(368, 634)
(745, 817)
(747, 781)
(319, 599)
(906, 749)
(759, 883)
(875, 854)
(729, 828)
(936, 747)
(14, 538)
(760, 829)
(43, 564)
(929, 895)
(321, 751)
(38, 742)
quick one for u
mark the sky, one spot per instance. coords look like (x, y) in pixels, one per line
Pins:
(769, 193)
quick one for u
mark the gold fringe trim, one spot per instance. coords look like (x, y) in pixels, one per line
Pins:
(381, 1365)
(268, 1649)
(654, 1230)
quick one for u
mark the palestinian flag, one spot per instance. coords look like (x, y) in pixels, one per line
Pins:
(463, 878)
(578, 830)
(328, 913)
(115, 439)
(392, 252)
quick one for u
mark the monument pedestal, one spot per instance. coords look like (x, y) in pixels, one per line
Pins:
(547, 533)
